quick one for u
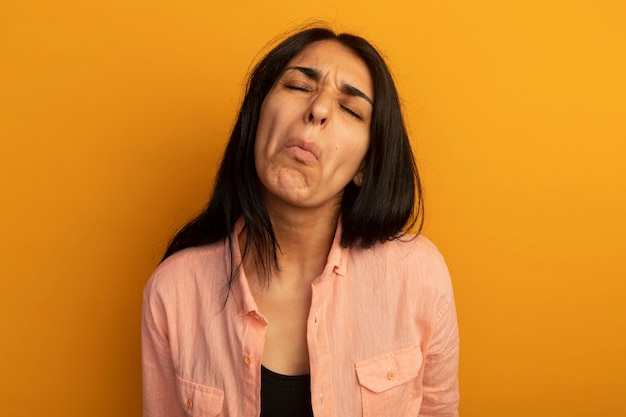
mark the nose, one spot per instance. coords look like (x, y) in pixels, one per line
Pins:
(320, 109)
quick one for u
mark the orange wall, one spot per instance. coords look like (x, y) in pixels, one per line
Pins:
(113, 114)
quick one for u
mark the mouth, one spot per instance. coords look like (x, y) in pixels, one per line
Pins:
(303, 151)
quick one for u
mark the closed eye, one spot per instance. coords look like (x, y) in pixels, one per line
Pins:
(294, 86)
(352, 112)
(297, 87)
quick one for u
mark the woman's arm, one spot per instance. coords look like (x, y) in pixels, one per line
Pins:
(440, 384)
(159, 376)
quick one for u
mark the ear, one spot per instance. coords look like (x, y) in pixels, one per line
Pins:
(358, 179)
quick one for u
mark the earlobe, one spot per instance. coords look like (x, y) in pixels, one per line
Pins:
(358, 179)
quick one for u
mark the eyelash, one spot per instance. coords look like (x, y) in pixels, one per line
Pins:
(296, 87)
(350, 111)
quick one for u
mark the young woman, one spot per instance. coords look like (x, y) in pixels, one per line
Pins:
(297, 291)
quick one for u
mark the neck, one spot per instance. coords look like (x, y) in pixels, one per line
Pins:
(304, 237)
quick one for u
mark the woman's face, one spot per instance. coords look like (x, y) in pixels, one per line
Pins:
(314, 127)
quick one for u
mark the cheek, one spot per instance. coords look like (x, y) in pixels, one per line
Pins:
(355, 150)
(269, 122)
(262, 135)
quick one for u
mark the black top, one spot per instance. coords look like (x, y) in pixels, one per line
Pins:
(285, 395)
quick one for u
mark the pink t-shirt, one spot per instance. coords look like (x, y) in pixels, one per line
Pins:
(382, 335)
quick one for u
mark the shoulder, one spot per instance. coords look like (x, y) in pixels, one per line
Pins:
(408, 251)
(409, 262)
(188, 270)
(419, 254)
(410, 245)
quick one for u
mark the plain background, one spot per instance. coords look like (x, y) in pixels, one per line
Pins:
(113, 115)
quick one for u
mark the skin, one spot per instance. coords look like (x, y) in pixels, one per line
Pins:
(302, 112)
(311, 140)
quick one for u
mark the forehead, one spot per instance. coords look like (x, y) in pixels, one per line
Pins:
(333, 59)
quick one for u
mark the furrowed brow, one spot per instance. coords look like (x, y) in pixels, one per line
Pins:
(316, 75)
(311, 73)
(353, 91)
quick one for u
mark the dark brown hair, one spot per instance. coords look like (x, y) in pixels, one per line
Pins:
(389, 202)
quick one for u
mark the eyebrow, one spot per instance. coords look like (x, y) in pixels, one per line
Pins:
(316, 75)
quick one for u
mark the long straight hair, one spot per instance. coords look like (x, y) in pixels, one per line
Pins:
(388, 203)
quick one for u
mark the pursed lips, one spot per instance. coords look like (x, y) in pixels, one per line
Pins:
(304, 151)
